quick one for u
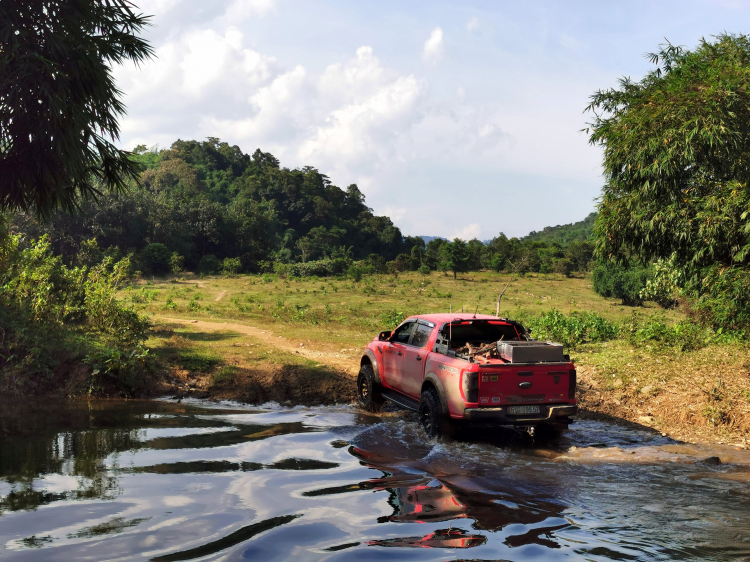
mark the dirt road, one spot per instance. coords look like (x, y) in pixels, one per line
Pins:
(347, 361)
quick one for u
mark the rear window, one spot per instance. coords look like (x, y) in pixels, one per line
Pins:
(479, 332)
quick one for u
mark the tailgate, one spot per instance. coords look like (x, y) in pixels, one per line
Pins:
(521, 384)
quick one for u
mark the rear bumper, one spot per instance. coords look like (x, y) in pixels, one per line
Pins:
(500, 416)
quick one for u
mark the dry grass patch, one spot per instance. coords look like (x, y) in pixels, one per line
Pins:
(697, 395)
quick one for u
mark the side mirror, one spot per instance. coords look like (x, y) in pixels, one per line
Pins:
(384, 336)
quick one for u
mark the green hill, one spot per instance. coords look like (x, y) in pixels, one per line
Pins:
(564, 234)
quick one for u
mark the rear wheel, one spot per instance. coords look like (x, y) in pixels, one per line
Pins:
(431, 415)
(550, 432)
(368, 395)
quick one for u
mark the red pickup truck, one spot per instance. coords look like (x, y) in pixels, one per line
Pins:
(455, 369)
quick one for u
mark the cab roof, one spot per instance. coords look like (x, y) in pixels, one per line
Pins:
(456, 316)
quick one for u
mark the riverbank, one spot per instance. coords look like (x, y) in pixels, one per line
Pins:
(697, 397)
(256, 339)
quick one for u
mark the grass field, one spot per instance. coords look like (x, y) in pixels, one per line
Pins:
(346, 312)
(288, 337)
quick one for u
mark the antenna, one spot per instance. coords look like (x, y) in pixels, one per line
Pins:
(450, 324)
(475, 312)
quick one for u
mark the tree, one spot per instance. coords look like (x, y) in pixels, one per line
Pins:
(58, 101)
(305, 246)
(456, 257)
(677, 159)
(156, 258)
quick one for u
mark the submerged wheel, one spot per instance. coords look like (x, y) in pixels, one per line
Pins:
(550, 432)
(367, 390)
(431, 413)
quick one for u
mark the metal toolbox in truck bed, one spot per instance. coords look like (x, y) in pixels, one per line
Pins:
(530, 351)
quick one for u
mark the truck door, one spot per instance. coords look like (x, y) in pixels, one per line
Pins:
(393, 354)
(415, 356)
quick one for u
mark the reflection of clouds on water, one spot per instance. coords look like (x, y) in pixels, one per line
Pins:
(313, 482)
(177, 501)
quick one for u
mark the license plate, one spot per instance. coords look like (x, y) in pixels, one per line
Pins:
(523, 410)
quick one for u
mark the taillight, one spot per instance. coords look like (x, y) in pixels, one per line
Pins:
(470, 386)
(572, 384)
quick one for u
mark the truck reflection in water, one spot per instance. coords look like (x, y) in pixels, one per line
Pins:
(442, 538)
(423, 499)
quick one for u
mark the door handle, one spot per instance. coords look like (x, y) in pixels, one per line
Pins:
(419, 358)
(399, 353)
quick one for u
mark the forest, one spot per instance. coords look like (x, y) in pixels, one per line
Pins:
(207, 207)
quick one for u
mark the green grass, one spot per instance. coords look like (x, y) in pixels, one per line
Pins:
(344, 312)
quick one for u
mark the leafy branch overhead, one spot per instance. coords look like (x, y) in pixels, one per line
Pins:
(59, 104)
(676, 157)
(676, 162)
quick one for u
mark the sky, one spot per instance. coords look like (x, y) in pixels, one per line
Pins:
(454, 118)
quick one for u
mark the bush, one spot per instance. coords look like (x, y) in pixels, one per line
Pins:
(684, 336)
(391, 319)
(616, 281)
(662, 287)
(320, 268)
(89, 253)
(231, 266)
(155, 259)
(49, 311)
(209, 264)
(720, 298)
(176, 263)
(564, 266)
(573, 329)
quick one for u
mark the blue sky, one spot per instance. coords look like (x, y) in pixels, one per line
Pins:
(454, 118)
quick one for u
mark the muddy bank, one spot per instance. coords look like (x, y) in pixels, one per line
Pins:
(291, 385)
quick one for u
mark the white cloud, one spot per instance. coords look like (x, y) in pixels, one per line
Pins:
(357, 120)
(472, 25)
(468, 232)
(434, 50)
(240, 10)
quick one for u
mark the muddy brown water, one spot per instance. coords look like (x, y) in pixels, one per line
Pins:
(157, 480)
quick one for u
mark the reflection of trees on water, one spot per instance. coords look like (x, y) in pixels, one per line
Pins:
(84, 441)
(23, 461)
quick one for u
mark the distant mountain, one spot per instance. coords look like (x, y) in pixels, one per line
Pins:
(564, 233)
(430, 238)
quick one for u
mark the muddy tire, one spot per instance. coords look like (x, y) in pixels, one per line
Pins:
(430, 413)
(368, 395)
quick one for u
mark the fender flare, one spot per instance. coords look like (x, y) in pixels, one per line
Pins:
(370, 355)
(438, 384)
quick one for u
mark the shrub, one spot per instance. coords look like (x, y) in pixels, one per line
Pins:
(616, 281)
(320, 268)
(48, 310)
(231, 266)
(89, 253)
(573, 329)
(156, 259)
(662, 287)
(176, 263)
(564, 266)
(392, 319)
(720, 298)
(209, 264)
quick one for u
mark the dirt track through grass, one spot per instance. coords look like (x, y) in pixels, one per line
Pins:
(344, 362)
